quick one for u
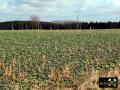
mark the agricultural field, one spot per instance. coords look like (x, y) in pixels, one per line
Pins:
(58, 60)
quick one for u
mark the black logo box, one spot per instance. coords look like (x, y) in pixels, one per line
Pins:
(108, 82)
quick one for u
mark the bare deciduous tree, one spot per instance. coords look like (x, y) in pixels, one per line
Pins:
(35, 21)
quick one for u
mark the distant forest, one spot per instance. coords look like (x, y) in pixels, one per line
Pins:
(18, 25)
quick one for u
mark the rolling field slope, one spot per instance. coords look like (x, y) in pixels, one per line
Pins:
(54, 60)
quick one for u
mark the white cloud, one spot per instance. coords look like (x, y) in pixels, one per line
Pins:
(116, 3)
(62, 9)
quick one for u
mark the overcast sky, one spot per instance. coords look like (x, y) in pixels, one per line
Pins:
(53, 10)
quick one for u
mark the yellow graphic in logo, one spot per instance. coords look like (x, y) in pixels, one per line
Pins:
(112, 82)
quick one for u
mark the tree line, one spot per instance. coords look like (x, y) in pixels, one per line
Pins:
(34, 23)
(18, 25)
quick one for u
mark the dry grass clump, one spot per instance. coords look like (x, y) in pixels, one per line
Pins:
(118, 71)
(66, 71)
(53, 74)
(58, 77)
(9, 71)
(89, 81)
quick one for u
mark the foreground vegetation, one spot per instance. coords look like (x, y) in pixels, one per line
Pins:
(58, 60)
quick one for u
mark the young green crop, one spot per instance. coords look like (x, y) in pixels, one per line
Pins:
(38, 51)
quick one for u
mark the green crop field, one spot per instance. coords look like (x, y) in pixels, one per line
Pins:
(41, 60)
